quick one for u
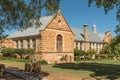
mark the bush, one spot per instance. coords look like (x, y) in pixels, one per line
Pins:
(101, 56)
(91, 52)
(22, 52)
(79, 52)
(63, 58)
(8, 51)
(77, 58)
(43, 62)
(1, 54)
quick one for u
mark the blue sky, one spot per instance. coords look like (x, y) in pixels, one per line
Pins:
(77, 13)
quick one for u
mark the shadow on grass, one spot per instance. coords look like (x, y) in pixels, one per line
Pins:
(109, 71)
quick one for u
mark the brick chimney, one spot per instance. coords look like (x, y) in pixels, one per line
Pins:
(85, 32)
(94, 29)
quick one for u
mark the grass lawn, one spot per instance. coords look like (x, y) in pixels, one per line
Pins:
(95, 69)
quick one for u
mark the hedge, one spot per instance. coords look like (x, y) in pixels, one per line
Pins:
(11, 51)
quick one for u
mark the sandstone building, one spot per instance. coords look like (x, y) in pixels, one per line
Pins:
(55, 39)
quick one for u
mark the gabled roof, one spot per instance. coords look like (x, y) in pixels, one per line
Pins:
(101, 35)
(79, 35)
(32, 30)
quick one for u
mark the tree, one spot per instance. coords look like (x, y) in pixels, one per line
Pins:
(17, 13)
(113, 48)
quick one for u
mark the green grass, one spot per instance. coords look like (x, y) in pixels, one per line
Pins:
(100, 69)
(13, 59)
(104, 69)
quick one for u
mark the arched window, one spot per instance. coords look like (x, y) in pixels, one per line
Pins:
(34, 43)
(59, 43)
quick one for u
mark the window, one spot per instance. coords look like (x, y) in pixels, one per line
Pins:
(90, 46)
(34, 43)
(80, 46)
(28, 43)
(16, 44)
(59, 23)
(76, 45)
(59, 43)
(21, 42)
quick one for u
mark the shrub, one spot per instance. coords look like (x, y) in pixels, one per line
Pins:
(63, 58)
(79, 52)
(91, 52)
(43, 62)
(77, 58)
(101, 55)
(1, 54)
(8, 51)
(22, 52)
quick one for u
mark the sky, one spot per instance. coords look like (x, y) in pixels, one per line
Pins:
(77, 13)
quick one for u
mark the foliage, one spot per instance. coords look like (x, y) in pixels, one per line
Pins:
(17, 13)
(11, 51)
(91, 52)
(99, 56)
(106, 49)
(79, 52)
(43, 62)
(8, 51)
(118, 30)
(25, 51)
(63, 58)
(112, 49)
(77, 58)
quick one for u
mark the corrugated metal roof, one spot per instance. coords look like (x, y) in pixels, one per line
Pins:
(32, 30)
(79, 35)
(93, 37)
(101, 35)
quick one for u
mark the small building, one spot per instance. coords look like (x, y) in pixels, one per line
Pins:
(54, 39)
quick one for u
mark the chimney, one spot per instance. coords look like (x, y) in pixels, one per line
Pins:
(85, 32)
(94, 29)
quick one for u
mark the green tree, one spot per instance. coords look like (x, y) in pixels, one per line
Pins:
(17, 13)
(112, 49)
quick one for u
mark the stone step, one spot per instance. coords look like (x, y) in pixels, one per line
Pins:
(22, 74)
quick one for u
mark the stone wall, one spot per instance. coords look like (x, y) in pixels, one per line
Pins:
(49, 40)
(107, 37)
(55, 57)
(6, 43)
